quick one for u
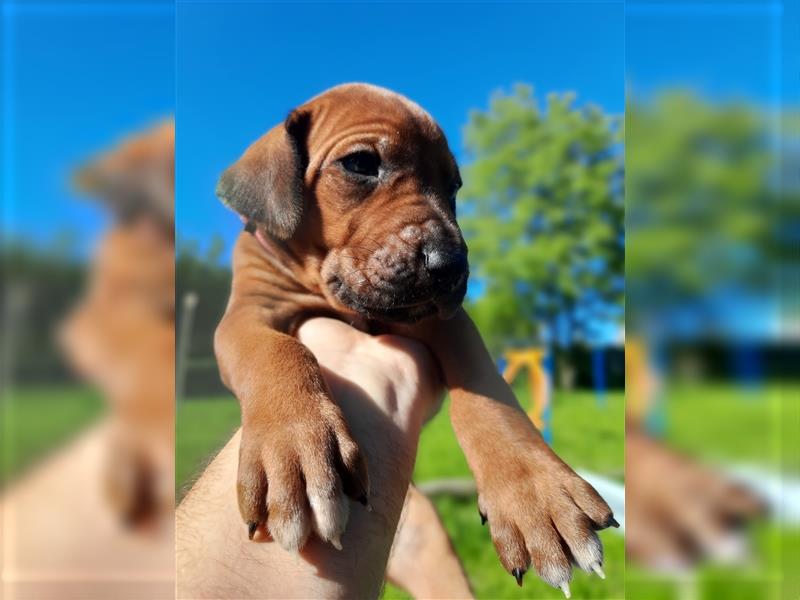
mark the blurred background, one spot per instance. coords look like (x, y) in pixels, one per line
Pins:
(531, 97)
(84, 458)
(711, 265)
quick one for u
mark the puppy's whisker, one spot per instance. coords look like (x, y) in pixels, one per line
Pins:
(378, 243)
(356, 270)
(368, 250)
(374, 247)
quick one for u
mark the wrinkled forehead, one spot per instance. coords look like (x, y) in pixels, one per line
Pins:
(363, 113)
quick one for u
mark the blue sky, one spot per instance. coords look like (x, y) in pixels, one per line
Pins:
(724, 50)
(75, 79)
(241, 68)
(77, 76)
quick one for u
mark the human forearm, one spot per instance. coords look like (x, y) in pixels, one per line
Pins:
(374, 387)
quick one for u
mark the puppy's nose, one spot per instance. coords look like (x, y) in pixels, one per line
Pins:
(444, 264)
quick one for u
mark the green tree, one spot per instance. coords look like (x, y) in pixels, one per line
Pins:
(542, 212)
(702, 204)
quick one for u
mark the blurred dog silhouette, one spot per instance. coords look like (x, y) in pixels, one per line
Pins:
(120, 335)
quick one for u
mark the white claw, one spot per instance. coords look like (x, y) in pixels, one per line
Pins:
(599, 570)
(336, 542)
(565, 588)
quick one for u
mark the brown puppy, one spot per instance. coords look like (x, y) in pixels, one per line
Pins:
(120, 336)
(351, 206)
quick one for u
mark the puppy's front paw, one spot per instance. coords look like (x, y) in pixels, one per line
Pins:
(541, 512)
(130, 483)
(295, 475)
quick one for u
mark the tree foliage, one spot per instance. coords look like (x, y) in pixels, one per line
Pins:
(542, 211)
(701, 204)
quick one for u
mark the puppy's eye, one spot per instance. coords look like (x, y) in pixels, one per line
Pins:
(362, 163)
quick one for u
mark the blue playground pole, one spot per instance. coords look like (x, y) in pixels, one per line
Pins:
(747, 364)
(599, 374)
(502, 363)
(549, 368)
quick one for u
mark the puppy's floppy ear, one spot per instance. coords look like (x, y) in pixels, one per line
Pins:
(266, 184)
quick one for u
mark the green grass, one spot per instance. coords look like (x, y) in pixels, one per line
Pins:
(733, 424)
(771, 574)
(204, 425)
(35, 420)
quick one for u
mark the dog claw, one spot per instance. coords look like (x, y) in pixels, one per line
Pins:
(483, 518)
(597, 568)
(336, 542)
(251, 530)
(611, 522)
(518, 573)
(565, 588)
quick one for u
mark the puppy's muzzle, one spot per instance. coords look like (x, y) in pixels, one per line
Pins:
(419, 271)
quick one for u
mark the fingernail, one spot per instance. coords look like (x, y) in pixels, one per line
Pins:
(483, 518)
(612, 522)
(336, 542)
(599, 570)
(251, 530)
(518, 573)
(565, 588)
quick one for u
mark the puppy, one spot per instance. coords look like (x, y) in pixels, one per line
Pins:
(349, 207)
(120, 335)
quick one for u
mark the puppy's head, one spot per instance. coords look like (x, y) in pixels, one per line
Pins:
(361, 183)
(136, 178)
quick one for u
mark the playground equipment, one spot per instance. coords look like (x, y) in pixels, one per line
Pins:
(643, 398)
(539, 385)
(540, 374)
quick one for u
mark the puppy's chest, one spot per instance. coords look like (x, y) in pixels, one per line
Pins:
(292, 302)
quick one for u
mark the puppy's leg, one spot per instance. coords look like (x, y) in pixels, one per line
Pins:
(423, 561)
(297, 459)
(539, 510)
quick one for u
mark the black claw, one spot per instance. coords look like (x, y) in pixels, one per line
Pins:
(251, 530)
(518, 573)
(362, 499)
(483, 518)
(250, 227)
(612, 522)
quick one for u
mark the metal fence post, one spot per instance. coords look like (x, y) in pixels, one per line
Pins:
(188, 306)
